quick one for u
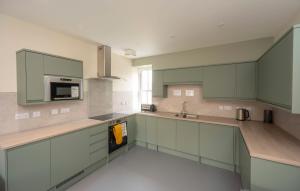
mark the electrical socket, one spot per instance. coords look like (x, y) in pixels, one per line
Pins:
(227, 108)
(54, 111)
(221, 107)
(21, 116)
(36, 114)
(65, 110)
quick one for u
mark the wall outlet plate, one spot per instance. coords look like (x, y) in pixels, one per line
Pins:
(65, 110)
(227, 107)
(54, 111)
(221, 107)
(189, 93)
(19, 116)
(177, 92)
(36, 114)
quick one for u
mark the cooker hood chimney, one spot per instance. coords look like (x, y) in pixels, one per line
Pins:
(104, 63)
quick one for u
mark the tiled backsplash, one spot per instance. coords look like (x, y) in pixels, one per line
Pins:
(67, 111)
(197, 105)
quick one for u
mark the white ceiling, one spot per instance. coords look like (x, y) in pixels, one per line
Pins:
(154, 27)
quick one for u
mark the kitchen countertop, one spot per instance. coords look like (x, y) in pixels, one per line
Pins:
(264, 141)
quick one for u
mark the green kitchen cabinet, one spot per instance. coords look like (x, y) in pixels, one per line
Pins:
(246, 80)
(217, 143)
(244, 164)
(131, 129)
(275, 73)
(141, 128)
(188, 137)
(30, 77)
(219, 81)
(158, 88)
(28, 167)
(272, 176)
(166, 133)
(183, 76)
(151, 128)
(62, 67)
(69, 155)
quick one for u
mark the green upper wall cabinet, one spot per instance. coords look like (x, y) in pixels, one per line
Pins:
(246, 80)
(217, 143)
(183, 75)
(275, 73)
(69, 155)
(28, 167)
(30, 77)
(158, 88)
(31, 68)
(219, 81)
(62, 67)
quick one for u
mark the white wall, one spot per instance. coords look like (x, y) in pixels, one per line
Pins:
(16, 34)
(229, 53)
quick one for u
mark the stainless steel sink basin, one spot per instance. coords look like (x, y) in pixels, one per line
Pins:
(187, 116)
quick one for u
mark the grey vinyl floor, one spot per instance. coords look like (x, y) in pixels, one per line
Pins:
(143, 170)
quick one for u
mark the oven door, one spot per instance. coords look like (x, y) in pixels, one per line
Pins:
(112, 146)
(64, 91)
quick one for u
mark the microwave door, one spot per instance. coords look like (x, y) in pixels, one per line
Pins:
(64, 91)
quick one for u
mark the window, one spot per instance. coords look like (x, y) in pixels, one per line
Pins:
(145, 86)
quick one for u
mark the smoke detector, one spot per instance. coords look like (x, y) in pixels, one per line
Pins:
(129, 52)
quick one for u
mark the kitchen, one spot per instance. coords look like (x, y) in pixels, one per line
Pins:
(110, 96)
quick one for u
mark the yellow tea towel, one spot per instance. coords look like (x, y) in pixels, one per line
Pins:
(118, 134)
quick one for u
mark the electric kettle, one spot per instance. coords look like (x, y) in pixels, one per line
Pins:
(242, 114)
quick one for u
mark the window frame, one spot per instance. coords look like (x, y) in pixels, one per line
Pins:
(140, 90)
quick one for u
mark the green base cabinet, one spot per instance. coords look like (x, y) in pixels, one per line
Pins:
(188, 137)
(216, 143)
(69, 155)
(28, 167)
(151, 128)
(244, 164)
(131, 129)
(166, 130)
(141, 128)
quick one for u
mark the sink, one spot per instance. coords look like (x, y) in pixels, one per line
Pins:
(188, 116)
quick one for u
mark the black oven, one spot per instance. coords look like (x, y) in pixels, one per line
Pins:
(111, 138)
(62, 88)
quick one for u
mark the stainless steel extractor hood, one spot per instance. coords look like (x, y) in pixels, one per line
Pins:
(104, 63)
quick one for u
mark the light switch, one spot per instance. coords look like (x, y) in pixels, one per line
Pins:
(64, 110)
(227, 108)
(221, 107)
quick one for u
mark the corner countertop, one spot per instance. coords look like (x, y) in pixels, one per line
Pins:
(264, 141)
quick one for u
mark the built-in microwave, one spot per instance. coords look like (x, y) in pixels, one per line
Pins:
(59, 88)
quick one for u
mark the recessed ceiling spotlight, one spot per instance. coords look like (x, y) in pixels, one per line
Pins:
(221, 24)
(172, 36)
(129, 52)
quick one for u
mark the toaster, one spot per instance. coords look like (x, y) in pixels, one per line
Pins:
(148, 107)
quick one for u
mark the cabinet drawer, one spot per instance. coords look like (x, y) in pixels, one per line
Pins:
(98, 145)
(98, 155)
(98, 129)
(98, 137)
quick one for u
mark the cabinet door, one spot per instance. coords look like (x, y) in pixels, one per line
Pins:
(151, 126)
(69, 155)
(158, 89)
(219, 81)
(34, 77)
(28, 167)
(62, 67)
(216, 142)
(141, 128)
(275, 73)
(131, 129)
(188, 137)
(245, 162)
(183, 75)
(246, 80)
(166, 131)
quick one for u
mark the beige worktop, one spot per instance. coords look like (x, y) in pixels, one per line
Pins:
(21, 138)
(264, 141)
